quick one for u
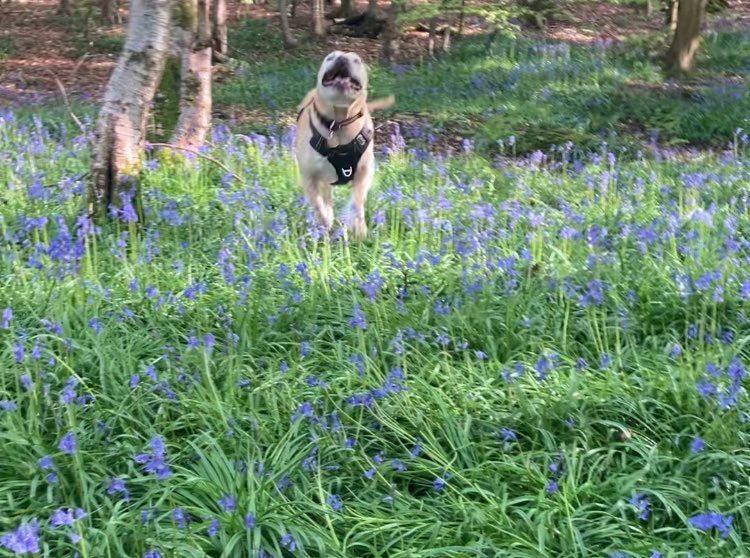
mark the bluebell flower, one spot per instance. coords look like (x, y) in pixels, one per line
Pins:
(288, 542)
(23, 540)
(358, 318)
(640, 501)
(118, 486)
(228, 502)
(250, 521)
(67, 444)
(213, 528)
(697, 445)
(180, 517)
(335, 502)
(552, 487)
(7, 405)
(7, 318)
(712, 520)
(155, 462)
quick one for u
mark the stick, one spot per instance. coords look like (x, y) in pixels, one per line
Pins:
(198, 154)
(67, 103)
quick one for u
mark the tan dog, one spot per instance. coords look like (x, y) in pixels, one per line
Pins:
(334, 143)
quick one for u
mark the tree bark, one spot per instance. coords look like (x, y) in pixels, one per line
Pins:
(63, 8)
(447, 38)
(346, 10)
(286, 33)
(121, 126)
(195, 83)
(390, 33)
(317, 18)
(372, 8)
(681, 55)
(110, 14)
(461, 18)
(431, 37)
(671, 15)
(220, 42)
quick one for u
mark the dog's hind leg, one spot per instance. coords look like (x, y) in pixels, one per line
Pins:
(319, 196)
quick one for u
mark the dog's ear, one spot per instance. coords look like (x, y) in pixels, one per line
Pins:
(381, 103)
(307, 100)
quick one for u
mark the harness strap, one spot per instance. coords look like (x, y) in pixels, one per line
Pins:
(343, 158)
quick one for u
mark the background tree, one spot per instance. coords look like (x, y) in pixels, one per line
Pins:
(317, 18)
(110, 13)
(346, 10)
(286, 32)
(686, 40)
(219, 32)
(195, 78)
(121, 125)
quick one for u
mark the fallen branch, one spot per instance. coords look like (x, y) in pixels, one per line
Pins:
(67, 103)
(198, 154)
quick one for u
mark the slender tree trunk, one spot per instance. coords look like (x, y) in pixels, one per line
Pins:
(317, 18)
(63, 8)
(372, 8)
(681, 55)
(671, 15)
(121, 127)
(195, 84)
(346, 10)
(431, 38)
(390, 33)
(220, 43)
(286, 33)
(461, 18)
(447, 38)
(110, 14)
(294, 8)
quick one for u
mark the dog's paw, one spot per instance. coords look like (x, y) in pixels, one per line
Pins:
(358, 228)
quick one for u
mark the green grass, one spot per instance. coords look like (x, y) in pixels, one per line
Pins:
(7, 47)
(226, 326)
(543, 94)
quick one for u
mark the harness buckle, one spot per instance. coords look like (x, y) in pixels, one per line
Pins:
(330, 129)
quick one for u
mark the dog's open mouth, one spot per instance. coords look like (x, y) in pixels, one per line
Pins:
(339, 76)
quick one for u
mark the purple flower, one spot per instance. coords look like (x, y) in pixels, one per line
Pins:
(180, 517)
(552, 487)
(712, 520)
(335, 502)
(250, 521)
(640, 501)
(213, 528)
(358, 318)
(697, 445)
(118, 486)
(438, 484)
(61, 517)
(152, 554)
(228, 502)
(155, 462)
(7, 318)
(7, 405)
(24, 539)
(507, 435)
(288, 542)
(68, 444)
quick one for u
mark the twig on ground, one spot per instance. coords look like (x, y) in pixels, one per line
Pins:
(199, 154)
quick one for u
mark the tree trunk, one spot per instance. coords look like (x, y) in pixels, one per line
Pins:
(63, 8)
(671, 15)
(346, 10)
(220, 42)
(294, 8)
(195, 83)
(110, 13)
(390, 33)
(372, 8)
(317, 18)
(461, 18)
(286, 33)
(681, 55)
(447, 38)
(431, 38)
(121, 126)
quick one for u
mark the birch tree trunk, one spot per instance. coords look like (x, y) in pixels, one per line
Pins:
(121, 126)
(286, 33)
(195, 83)
(687, 36)
(317, 18)
(220, 42)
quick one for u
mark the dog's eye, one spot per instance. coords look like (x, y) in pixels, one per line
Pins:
(329, 57)
(357, 61)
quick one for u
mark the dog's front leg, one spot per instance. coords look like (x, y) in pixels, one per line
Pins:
(318, 194)
(360, 187)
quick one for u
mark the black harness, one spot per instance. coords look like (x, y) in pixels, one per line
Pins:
(343, 158)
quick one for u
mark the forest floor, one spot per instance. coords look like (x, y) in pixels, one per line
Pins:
(43, 53)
